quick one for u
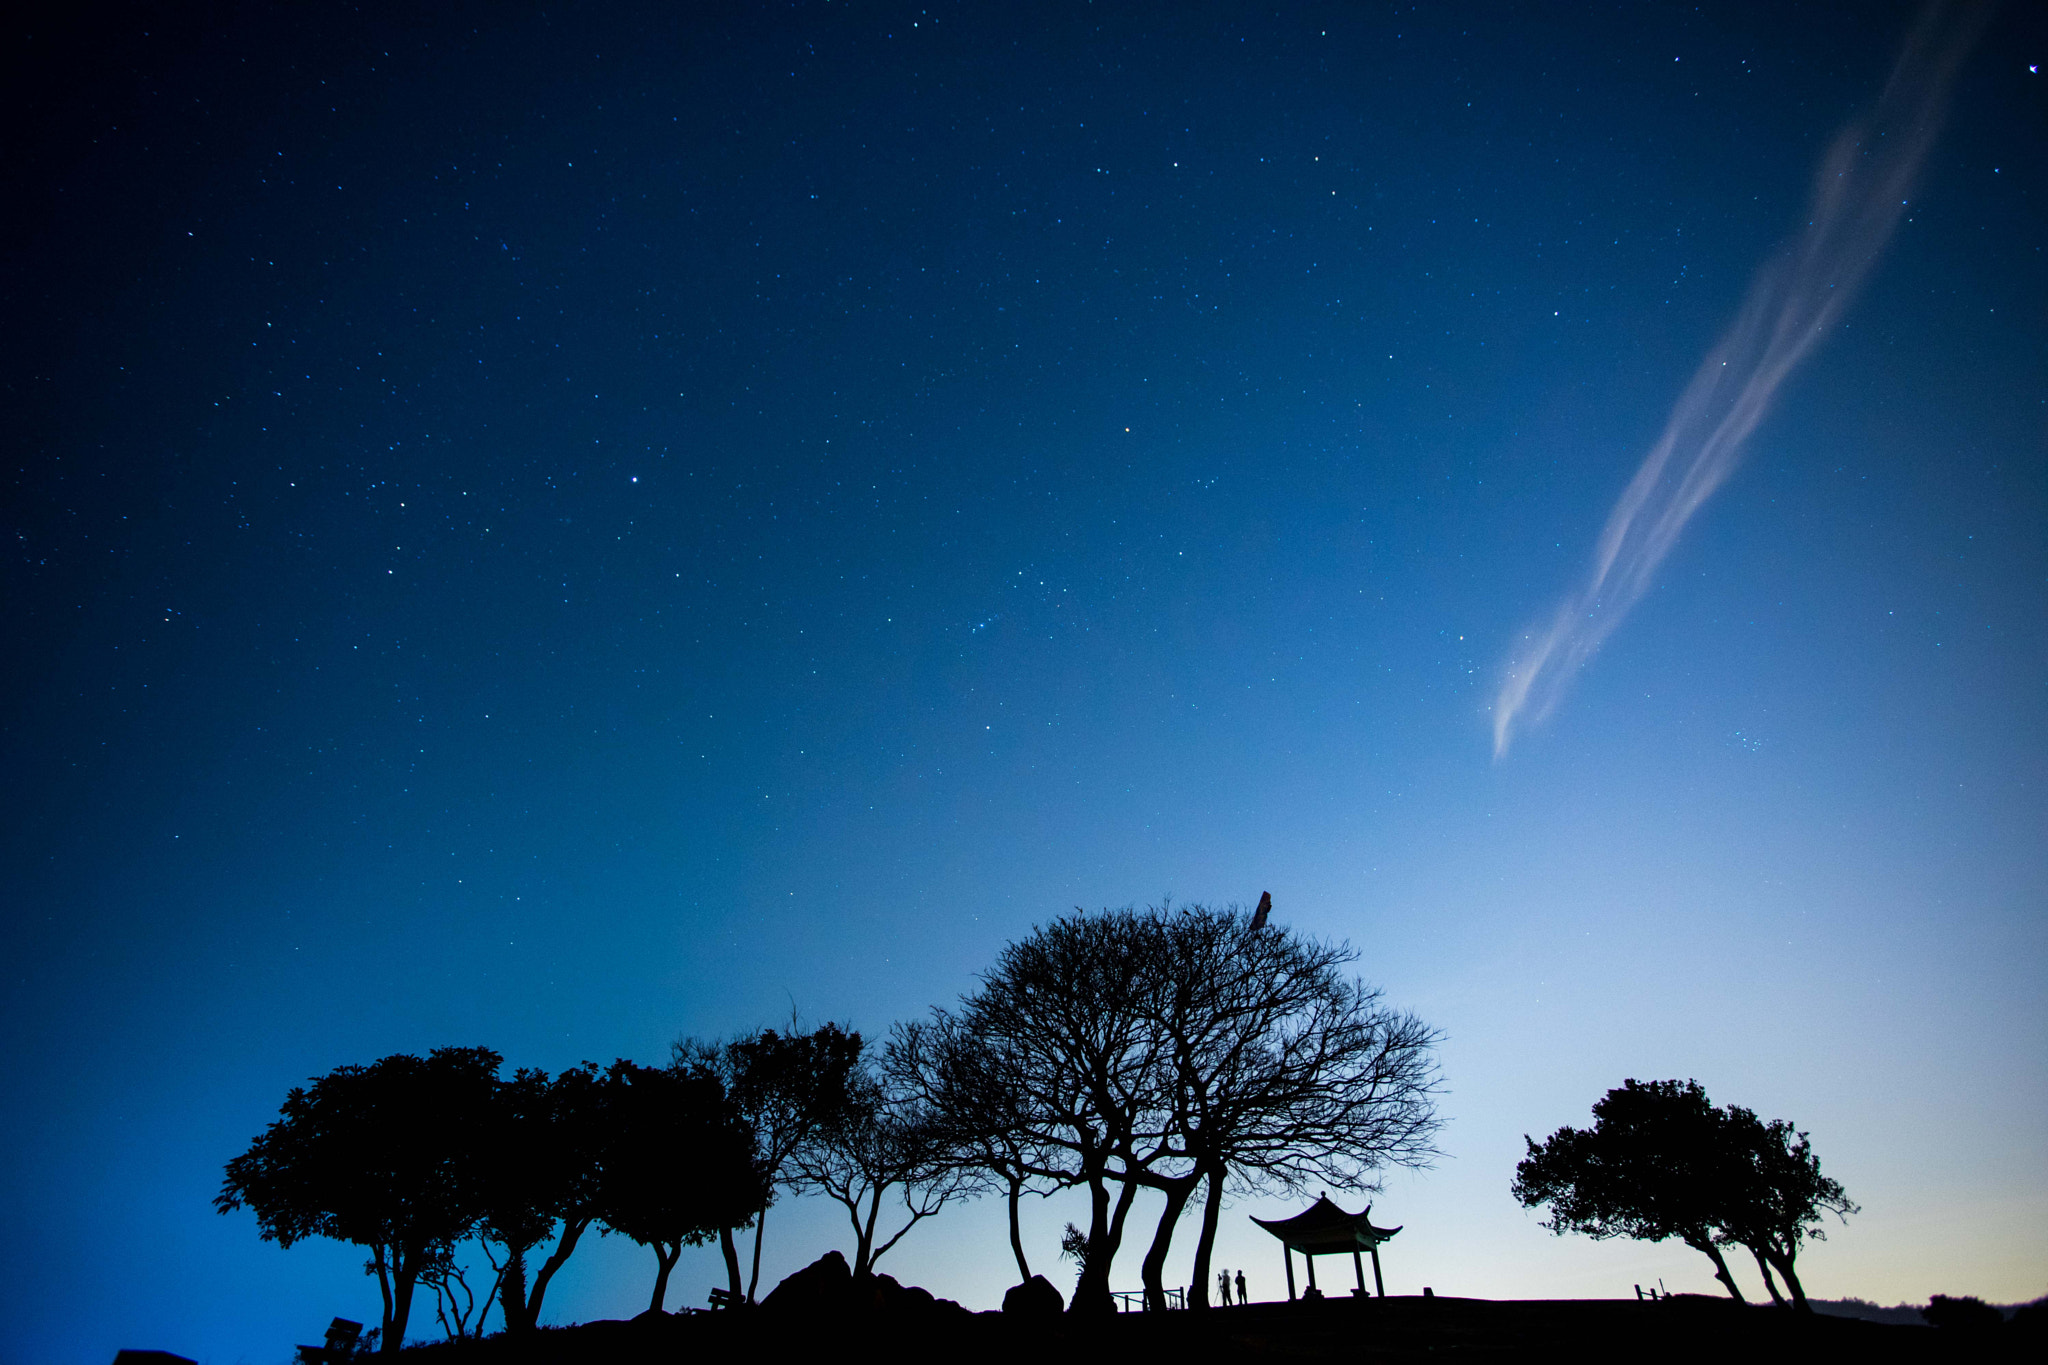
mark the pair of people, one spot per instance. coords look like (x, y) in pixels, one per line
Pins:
(1223, 1287)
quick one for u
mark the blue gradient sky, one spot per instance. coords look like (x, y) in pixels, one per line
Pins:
(561, 531)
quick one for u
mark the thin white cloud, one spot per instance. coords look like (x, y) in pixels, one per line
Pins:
(1795, 299)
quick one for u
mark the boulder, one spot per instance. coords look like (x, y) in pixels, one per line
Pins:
(1035, 1298)
(825, 1286)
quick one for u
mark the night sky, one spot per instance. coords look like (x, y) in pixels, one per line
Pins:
(559, 530)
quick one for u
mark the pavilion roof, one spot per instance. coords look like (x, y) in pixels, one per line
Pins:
(1325, 1227)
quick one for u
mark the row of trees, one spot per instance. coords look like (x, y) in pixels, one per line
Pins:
(1181, 1049)
(409, 1157)
(1661, 1161)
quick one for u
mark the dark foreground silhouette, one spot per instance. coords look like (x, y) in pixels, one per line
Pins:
(824, 1313)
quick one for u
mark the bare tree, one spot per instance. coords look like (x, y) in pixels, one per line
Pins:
(455, 1305)
(1282, 1072)
(972, 1120)
(880, 1143)
(1174, 1047)
(1060, 1029)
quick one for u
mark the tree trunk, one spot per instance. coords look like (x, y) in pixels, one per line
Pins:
(864, 1236)
(1016, 1236)
(1102, 1249)
(1212, 1209)
(1091, 1294)
(1176, 1193)
(401, 1308)
(732, 1262)
(1783, 1260)
(1763, 1268)
(572, 1229)
(754, 1278)
(1704, 1244)
(382, 1263)
(1116, 1224)
(512, 1291)
(666, 1255)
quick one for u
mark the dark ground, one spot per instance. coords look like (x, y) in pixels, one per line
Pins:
(1393, 1329)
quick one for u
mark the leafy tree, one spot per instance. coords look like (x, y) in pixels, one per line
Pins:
(789, 1086)
(384, 1156)
(1653, 1165)
(1661, 1161)
(880, 1141)
(540, 1178)
(1781, 1198)
(681, 1163)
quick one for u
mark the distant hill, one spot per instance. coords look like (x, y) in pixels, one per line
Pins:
(1907, 1314)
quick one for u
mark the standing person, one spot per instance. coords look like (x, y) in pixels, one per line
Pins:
(1223, 1287)
(1240, 1288)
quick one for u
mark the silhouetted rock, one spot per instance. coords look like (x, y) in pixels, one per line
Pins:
(881, 1294)
(1035, 1298)
(823, 1286)
(885, 1296)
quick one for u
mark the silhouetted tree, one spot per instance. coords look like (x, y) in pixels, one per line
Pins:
(1779, 1195)
(385, 1156)
(455, 1305)
(1662, 1161)
(969, 1114)
(540, 1178)
(1281, 1072)
(881, 1140)
(1655, 1164)
(514, 1214)
(1164, 1048)
(680, 1164)
(1074, 1247)
(1060, 1029)
(788, 1085)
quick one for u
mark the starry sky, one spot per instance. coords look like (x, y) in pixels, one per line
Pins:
(564, 527)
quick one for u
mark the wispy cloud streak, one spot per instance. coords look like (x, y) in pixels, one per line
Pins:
(1795, 299)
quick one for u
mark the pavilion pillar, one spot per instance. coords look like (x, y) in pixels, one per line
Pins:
(1287, 1255)
(1310, 1258)
(1377, 1282)
(1358, 1268)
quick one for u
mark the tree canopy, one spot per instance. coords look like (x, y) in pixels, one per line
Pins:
(1662, 1161)
(387, 1156)
(681, 1165)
